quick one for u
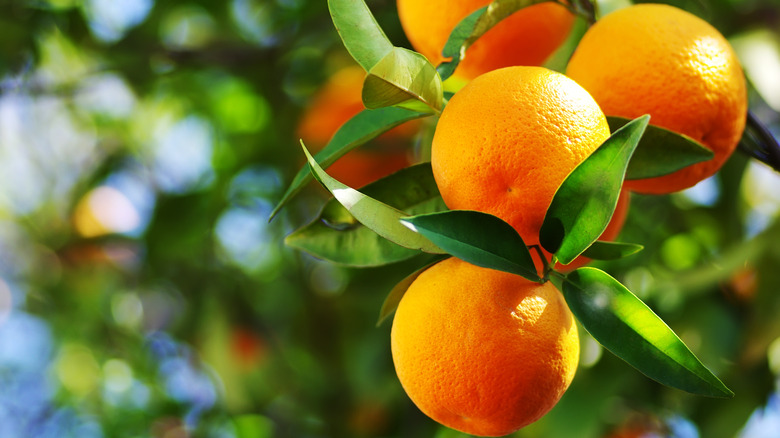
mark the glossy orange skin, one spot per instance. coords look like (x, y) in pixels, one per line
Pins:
(508, 139)
(663, 61)
(483, 351)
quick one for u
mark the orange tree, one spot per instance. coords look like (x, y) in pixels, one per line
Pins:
(403, 216)
(143, 291)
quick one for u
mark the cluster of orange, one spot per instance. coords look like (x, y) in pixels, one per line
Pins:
(486, 352)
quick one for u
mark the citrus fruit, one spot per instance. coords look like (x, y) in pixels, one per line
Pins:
(334, 104)
(527, 37)
(483, 351)
(507, 140)
(663, 61)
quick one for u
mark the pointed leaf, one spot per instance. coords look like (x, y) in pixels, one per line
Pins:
(379, 217)
(404, 78)
(337, 237)
(601, 250)
(398, 292)
(478, 238)
(361, 34)
(476, 24)
(661, 151)
(360, 129)
(456, 45)
(584, 203)
(624, 325)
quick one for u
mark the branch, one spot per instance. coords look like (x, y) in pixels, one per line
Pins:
(759, 143)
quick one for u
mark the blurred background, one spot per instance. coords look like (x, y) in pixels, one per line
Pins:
(144, 293)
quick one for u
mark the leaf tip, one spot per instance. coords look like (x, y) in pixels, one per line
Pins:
(382, 319)
(407, 222)
(274, 212)
(303, 146)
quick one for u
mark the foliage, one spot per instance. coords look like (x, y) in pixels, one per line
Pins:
(144, 292)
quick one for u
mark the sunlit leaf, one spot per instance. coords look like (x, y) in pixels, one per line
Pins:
(361, 34)
(360, 129)
(394, 297)
(624, 325)
(583, 205)
(478, 238)
(338, 237)
(396, 76)
(404, 78)
(661, 151)
(601, 250)
(379, 217)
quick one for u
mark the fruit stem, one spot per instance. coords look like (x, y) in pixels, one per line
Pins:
(547, 266)
(557, 279)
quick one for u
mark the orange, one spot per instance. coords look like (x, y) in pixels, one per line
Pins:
(507, 140)
(482, 351)
(334, 104)
(660, 60)
(527, 37)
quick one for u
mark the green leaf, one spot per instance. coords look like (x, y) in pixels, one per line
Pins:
(361, 34)
(601, 250)
(337, 237)
(360, 129)
(478, 238)
(584, 203)
(661, 151)
(476, 24)
(456, 46)
(398, 292)
(396, 76)
(379, 217)
(624, 325)
(404, 78)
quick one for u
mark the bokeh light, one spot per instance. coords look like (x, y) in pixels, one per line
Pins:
(109, 20)
(6, 301)
(187, 27)
(762, 199)
(105, 210)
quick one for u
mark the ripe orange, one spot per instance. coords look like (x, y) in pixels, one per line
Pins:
(660, 60)
(527, 37)
(335, 103)
(483, 351)
(508, 139)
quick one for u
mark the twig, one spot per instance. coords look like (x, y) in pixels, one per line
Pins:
(759, 143)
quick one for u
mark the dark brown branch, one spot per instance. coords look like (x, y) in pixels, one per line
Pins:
(759, 143)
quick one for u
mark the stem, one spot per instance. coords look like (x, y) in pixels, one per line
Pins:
(557, 279)
(584, 8)
(547, 266)
(557, 274)
(759, 143)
